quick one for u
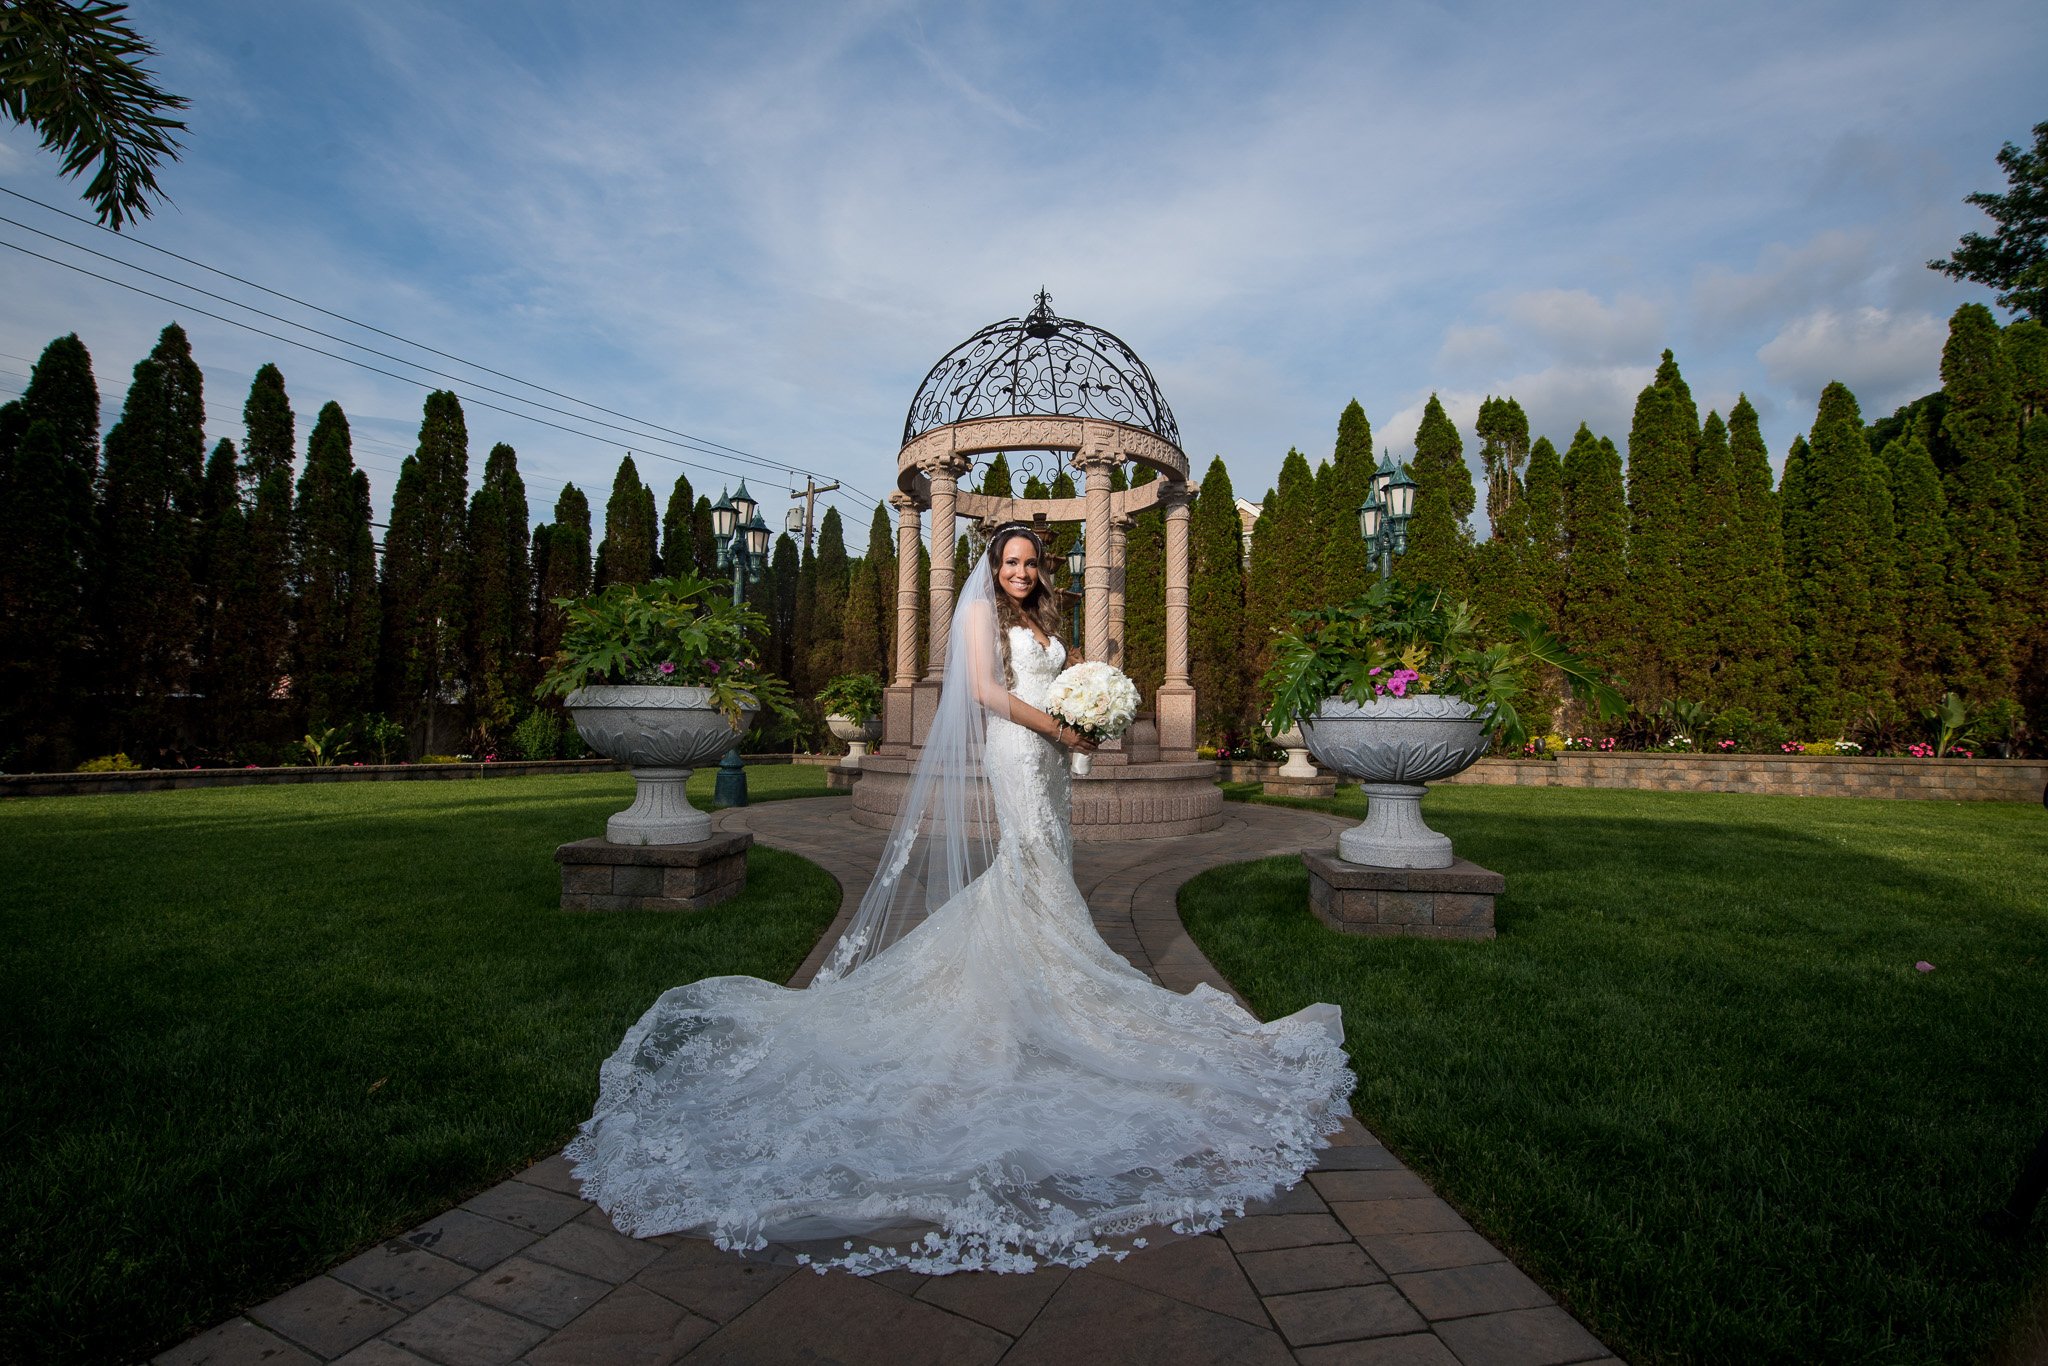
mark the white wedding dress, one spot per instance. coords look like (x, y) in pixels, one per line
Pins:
(996, 1090)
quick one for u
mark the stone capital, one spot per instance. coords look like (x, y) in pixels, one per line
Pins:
(903, 502)
(950, 464)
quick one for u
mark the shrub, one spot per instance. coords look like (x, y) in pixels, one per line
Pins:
(109, 763)
(857, 696)
(539, 736)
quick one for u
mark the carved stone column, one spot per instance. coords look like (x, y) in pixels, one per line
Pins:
(897, 724)
(945, 476)
(1176, 698)
(1119, 546)
(1098, 458)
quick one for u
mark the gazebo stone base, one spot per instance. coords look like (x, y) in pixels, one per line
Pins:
(598, 875)
(1428, 903)
(1115, 802)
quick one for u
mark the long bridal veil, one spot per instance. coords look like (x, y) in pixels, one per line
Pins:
(946, 831)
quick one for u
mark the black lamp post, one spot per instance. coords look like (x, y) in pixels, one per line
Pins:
(743, 548)
(1077, 572)
(1384, 515)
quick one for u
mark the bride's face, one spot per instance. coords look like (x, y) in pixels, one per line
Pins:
(1017, 571)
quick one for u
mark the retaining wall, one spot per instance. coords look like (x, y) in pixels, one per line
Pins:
(1792, 775)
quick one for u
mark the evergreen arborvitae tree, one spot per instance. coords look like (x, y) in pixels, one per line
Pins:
(222, 593)
(334, 667)
(1348, 568)
(1216, 604)
(143, 614)
(781, 613)
(1920, 572)
(424, 573)
(262, 616)
(498, 640)
(268, 419)
(1714, 567)
(1660, 473)
(995, 480)
(678, 535)
(49, 456)
(1284, 564)
(2026, 342)
(871, 606)
(802, 625)
(1542, 526)
(1595, 515)
(828, 619)
(561, 569)
(704, 538)
(1145, 595)
(1982, 426)
(628, 552)
(1756, 676)
(1839, 579)
(1439, 540)
(1503, 431)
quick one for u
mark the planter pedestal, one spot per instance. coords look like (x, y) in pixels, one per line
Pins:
(661, 812)
(598, 875)
(1454, 902)
(1393, 834)
(1315, 785)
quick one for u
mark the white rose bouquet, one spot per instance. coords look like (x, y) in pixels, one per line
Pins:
(1096, 699)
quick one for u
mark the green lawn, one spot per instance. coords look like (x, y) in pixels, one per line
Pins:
(249, 1031)
(1697, 1086)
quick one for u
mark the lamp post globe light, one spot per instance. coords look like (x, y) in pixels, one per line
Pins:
(743, 548)
(1077, 571)
(1384, 515)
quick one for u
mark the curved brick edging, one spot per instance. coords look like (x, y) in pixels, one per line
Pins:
(1790, 775)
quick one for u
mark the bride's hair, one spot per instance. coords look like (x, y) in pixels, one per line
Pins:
(1041, 608)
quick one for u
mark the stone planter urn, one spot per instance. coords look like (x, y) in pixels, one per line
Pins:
(1391, 747)
(1296, 745)
(660, 734)
(857, 734)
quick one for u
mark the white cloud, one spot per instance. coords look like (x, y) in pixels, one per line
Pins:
(1885, 358)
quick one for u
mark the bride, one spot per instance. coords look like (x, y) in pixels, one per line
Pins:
(975, 1081)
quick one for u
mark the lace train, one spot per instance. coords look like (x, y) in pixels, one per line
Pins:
(996, 1090)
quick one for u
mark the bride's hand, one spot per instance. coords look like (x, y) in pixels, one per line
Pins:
(1074, 740)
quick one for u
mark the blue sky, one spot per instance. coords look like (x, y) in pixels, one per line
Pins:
(762, 224)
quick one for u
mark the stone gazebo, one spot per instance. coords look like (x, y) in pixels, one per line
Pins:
(1042, 383)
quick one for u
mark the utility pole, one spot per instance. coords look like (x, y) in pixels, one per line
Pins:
(809, 494)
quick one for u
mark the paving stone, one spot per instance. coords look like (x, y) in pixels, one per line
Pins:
(1369, 1218)
(1005, 1303)
(1094, 1319)
(631, 1326)
(707, 1281)
(537, 1291)
(399, 1273)
(1401, 1252)
(1396, 1184)
(1361, 1311)
(1302, 1199)
(524, 1205)
(471, 1239)
(844, 1319)
(1350, 1131)
(237, 1342)
(1459, 1291)
(552, 1173)
(1356, 1157)
(378, 1352)
(1198, 1271)
(588, 1250)
(1521, 1337)
(1262, 1233)
(457, 1331)
(1415, 1349)
(1291, 1270)
(325, 1316)
(902, 1280)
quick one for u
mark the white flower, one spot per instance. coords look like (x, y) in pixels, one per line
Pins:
(1094, 698)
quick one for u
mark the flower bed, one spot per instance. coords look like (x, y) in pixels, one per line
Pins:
(1800, 775)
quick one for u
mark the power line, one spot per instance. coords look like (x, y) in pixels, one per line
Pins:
(350, 360)
(687, 441)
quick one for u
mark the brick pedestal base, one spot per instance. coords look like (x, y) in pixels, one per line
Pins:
(841, 779)
(598, 875)
(1430, 903)
(1323, 786)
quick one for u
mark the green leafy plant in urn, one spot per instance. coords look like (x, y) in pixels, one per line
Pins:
(1400, 688)
(660, 677)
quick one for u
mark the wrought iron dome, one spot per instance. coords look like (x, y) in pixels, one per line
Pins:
(1041, 365)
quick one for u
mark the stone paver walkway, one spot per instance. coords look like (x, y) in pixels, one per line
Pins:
(1359, 1265)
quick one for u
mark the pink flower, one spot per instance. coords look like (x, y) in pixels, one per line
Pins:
(714, 665)
(1923, 966)
(668, 668)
